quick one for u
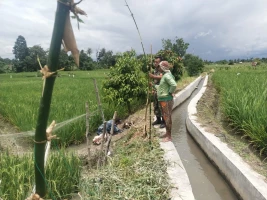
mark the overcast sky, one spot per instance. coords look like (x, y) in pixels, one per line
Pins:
(215, 29)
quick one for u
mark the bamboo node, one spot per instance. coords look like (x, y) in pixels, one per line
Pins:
(41, 142)
(45, 70)
(73, 7)
(49, 130)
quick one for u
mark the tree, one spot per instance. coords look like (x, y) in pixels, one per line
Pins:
(86, 62)
(30, 62)
(20, 49)
(174, 60)
(2, 65)
(126, 81)
(89, 52)
(105, 58)
(194, 65)
(178, 46)
(63, 61)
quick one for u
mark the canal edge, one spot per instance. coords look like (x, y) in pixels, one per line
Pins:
(245, 181)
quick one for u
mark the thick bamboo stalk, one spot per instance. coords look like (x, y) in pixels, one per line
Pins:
(40, 133)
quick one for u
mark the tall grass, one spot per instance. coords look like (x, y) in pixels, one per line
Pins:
(244, 102)
(17, 177)
(19, 102)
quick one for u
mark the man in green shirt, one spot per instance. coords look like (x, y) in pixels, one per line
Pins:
(156, 79)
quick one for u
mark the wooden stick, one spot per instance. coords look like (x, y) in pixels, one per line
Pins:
(111, 134)
(99, 102)
(87, 132)
(100, 159)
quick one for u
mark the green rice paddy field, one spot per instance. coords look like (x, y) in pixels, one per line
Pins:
(21, 92)
(243, 97)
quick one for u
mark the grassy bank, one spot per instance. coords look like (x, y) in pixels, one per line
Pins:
(243, 94)
(136, 171)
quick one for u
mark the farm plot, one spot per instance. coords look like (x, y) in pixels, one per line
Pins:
(20, 96)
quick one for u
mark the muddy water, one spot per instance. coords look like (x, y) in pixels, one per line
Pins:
(206, 182)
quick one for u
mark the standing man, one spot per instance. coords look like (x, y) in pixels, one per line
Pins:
(157, 76)
(165, 92)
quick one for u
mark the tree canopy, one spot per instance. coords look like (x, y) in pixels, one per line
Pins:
(178, 46)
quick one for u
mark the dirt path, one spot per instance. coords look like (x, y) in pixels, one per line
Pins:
(14, 146)
(5, 127)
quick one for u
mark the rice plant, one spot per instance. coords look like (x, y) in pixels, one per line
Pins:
(243, 99)
(17, 177)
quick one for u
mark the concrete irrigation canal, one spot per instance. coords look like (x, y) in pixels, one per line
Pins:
(192, 173)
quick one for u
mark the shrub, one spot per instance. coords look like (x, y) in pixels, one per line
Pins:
(126, 81)
(194, 65)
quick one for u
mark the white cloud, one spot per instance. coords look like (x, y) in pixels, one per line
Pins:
(203, 34)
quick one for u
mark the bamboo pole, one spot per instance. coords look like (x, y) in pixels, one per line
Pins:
(45, 102)
(150, 123)
(148, 102)
(136, 28)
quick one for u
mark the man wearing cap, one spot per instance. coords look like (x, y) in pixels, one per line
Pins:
(165, 93)
(157, 76)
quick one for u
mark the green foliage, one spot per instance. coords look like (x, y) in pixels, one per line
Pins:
(17, 177)
(63, 61)
(30, 62)
(174, 60)
(136, 171)
(243, 96)
(231, 62)
(125, 81)
(86, 62)
(258, 60)
(178, 46)
(193, 64)
(105, 59)
(63, 174)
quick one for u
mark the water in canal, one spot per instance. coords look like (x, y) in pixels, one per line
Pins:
(206, 181)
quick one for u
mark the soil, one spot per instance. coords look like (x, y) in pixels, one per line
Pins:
(210, 116)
